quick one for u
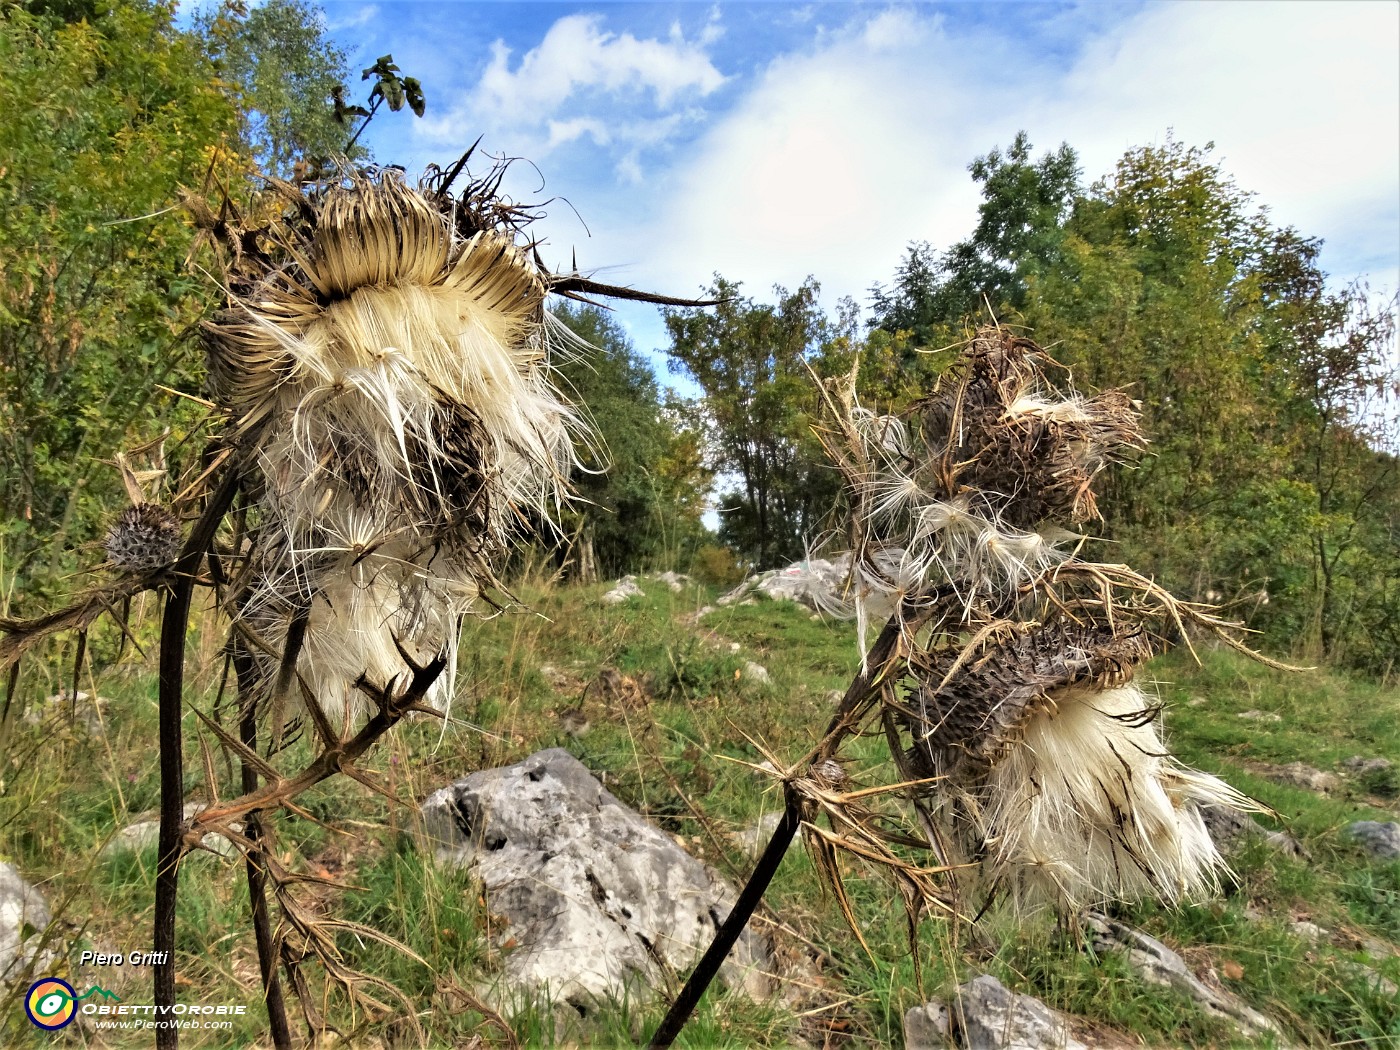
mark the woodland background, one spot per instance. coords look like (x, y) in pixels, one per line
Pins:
(1271, 398)
(1272, 485)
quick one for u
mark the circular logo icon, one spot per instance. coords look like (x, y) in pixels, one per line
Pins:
(51, 1003)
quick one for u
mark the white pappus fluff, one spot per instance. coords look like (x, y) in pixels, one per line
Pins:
(1089, 806)
(398, 392)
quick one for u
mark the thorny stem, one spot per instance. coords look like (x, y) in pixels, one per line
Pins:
(709, 964)
(337, 759)
(257, 875)
(172, 767)
(907, 619)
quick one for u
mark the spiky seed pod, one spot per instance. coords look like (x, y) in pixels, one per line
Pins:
(390, 376)
(1054, 782)
(1044, 772)
(966, 710)
(145, 538)
(999, 430)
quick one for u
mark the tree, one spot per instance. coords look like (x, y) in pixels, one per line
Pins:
(642, 484)
(286, 72)
(1020, 224)
(104, 121)
(1272, 475)
(750, 360)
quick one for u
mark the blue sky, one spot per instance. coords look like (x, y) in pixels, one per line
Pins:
(769, 141)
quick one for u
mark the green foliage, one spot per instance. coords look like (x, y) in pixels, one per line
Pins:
(684, 754)
(643, 487)
(1020, 228)
(286, 71)
(105, 121)
(1272, 478)
(750, 360)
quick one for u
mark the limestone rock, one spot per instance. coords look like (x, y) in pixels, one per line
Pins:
(1379, 839)
(986, 1015)
(927, 1027)
(756, 673)
(676, 581)
(598, 900)
(23, 916)
(753, 840)
(1360, 765)
(1158, 964)
(1231, 829)
(822, 585)
(1299, 774)
(145, 834)
(624, 589)
(84, 712)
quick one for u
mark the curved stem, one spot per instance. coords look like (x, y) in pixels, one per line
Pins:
(257, 874)
(174, 624)
(709, 964)
(172, 803)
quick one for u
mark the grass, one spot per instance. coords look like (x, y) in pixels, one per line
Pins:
(676, 732)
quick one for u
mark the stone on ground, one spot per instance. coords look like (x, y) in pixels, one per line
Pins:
(1158, 964)
(986, 1015)
(23, 916)
(1379, 839)
(599, 902)
(625, 588)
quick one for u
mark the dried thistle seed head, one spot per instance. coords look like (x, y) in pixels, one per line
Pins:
(998, 428)
(145, 538)
(967, 709)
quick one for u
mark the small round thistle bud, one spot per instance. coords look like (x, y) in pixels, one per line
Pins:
(145, 538)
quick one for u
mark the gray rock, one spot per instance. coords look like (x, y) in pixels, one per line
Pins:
(83, 711)
(676, 581)
(1231, 830)
(927, 1027)
(598, 900)
(624, 589)
(1379, 839)
(986, 1015)
(1308, 931)
(1158, 964)
(1359, 765)
(145, 834)
(756, 672)
(753, 839)
(1259, 716)
(24, 914)
(1377, 982)
(1298, 774)
(824, 586)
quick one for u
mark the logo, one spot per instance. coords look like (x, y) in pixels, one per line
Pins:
(50, 1003)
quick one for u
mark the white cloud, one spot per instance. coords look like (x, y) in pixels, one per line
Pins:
(838, 155)
(577, 54)
(341, 17)
(832, 162)
(584, 85)
(1301, 99)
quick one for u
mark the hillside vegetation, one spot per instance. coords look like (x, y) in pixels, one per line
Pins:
(1270, 485)
(676, 724)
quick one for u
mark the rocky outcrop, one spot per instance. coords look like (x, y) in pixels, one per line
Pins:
(822, 585)
(1379, 839)
(598, 901)
(624, 588)
(145, 834)
(1158, 964)
(1231, 830)
(23, 916)
(986, 1015)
